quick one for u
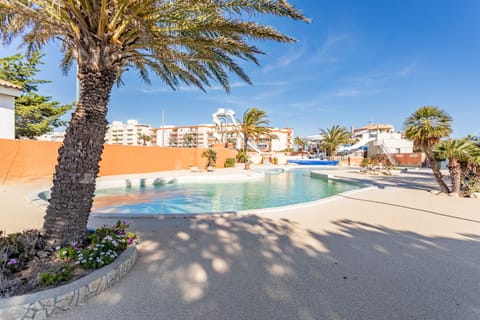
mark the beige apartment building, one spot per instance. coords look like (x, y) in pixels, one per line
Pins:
(130, 133)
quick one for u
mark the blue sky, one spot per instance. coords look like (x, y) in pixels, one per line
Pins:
(356, 62)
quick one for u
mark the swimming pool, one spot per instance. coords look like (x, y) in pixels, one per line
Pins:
(275, 189)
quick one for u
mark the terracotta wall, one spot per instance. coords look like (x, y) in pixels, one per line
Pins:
(24, 159)
(410, 159)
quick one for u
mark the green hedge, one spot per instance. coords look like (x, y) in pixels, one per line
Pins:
(230, 163)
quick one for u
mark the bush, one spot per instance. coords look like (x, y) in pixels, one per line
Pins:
(105, 244)
(230, 163)
(242, 156)
(53, 277)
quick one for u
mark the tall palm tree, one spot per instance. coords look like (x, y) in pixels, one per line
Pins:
(426, 126)
(300, 143)
(455, 151)
(334, 137)
(254, 125)
(192, 42)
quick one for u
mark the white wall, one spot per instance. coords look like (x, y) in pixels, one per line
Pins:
(7, 116)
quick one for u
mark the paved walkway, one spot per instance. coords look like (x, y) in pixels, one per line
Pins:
(396, 252)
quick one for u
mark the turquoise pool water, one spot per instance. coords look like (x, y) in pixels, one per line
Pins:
(274, 190)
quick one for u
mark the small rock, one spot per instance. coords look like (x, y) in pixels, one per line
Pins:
(453, 194)
(435, 192)
(475, 195)
(42, 254)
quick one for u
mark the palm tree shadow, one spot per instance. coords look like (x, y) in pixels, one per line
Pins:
(410, 208)
(252, 267)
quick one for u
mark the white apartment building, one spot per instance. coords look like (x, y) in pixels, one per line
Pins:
(52, 136)
(131, 133)
(205, 135)
(8, 92)
(199, 136)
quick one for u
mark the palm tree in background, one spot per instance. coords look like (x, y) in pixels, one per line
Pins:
(188, 140)
(455, 151)
(211, 156)
(191, 42)
(426, 126)
(334, 137)
(253, 126)
(300, 143)
(144, 138)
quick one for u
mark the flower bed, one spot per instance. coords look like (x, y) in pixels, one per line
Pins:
(28, 264)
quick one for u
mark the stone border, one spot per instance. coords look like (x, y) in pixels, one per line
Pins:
(43, 304)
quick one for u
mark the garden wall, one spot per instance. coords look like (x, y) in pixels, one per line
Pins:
(20, 159)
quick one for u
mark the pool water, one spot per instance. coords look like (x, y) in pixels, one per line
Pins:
(274, 190)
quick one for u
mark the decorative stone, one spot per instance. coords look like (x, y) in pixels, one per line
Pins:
(30, 313)
(92, 287)
(13, 313)
(111, 277)
(36, 306)
(64, 300)
(50, 310)
(435, 192)
(42, 254)
(102, 285)
(453, 195)
(40, 315)
(82, 294)
(48, 302)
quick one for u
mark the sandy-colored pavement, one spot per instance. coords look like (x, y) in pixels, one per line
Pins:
(396, 252)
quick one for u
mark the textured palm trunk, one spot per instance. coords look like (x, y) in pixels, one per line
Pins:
(455, 175)
(78, 161)
(436, 170)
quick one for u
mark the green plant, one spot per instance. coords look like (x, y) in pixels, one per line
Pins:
(229, 162)
(211, 156)
(242, 156)
(104, 245)
(366, 163)
(52, 277)
(68, 253)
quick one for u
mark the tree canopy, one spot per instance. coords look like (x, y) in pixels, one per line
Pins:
(34, 114)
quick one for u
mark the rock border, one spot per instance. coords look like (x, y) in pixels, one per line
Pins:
(43, 304)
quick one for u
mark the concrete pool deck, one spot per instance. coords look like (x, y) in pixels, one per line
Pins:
(394, 252)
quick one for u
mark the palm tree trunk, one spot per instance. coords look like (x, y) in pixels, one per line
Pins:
(455, 175)
(436, 171)
(78, 160)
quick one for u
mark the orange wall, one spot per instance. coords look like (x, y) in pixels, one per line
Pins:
(25, 158)
(410, 159)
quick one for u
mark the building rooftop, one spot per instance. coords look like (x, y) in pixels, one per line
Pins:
(7, 84)
(378, 126)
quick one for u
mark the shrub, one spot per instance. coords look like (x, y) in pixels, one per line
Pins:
(53, 277)
(105, 244)
(229, 162)
(242, 156)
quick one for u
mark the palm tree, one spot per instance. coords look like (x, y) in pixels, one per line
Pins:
(426, 126)
(455, 151)
(254, 125)
(144, 138)
(334, 137)
(211, 156)
(300, 143)
(188, 140)
(188, 42)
